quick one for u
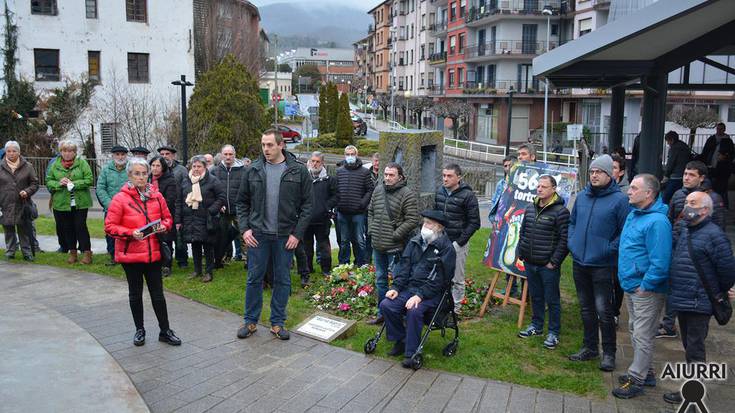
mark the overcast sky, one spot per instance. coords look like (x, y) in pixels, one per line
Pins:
(364, 5)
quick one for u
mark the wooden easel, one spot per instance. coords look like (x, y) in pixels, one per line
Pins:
(506, 297)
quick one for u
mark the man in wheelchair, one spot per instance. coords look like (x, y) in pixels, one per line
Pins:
(425, 271)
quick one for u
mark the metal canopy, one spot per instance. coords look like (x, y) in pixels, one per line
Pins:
(658, 39)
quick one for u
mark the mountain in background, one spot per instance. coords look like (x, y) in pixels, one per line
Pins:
(302, 25)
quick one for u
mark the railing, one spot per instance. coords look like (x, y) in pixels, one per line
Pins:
(507, 47)
(395, 125)
(494, 7)
(438, 27)
(41, 164)
(599, 140)
(437, 58)
(503, 86)
(485, 152)
(436, 90)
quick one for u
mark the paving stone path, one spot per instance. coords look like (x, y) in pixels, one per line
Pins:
(213, 371)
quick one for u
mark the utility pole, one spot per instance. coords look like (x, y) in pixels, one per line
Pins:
(184, 133)
(510, 119)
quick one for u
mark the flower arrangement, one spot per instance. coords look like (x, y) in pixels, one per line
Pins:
(348, 292)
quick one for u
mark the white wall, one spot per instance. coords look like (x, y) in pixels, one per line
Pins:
(167, 37)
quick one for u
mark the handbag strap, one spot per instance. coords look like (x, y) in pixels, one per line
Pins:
(700, 272)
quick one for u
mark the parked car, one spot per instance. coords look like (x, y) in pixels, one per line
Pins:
(289, 135)
(359, 125)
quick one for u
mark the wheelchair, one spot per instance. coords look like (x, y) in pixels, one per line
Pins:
(442, 319)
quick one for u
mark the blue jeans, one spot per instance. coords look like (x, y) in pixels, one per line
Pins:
(270, 249)
(352, 229)
(384, 262)
(543, 284)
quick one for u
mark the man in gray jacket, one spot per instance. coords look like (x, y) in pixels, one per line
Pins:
(392, 217)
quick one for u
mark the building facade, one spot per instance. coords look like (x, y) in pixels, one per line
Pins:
(135, 47)
(335, 65)
(382, 47)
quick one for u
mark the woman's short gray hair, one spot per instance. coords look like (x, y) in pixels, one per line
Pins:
(198, 158)
(12, 144)
(68, 143)
(137, 161)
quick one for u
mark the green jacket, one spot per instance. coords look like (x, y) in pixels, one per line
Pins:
(389, 232)
(109, 183)
(80, 174)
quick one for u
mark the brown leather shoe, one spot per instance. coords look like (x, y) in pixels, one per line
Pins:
(87, 258)
(72, 257)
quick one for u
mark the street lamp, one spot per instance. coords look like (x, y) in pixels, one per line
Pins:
(510, 119)
(393, 76)
(548, 12)
(184, 142)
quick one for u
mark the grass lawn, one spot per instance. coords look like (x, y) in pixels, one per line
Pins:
(47, 226)
(488, 347)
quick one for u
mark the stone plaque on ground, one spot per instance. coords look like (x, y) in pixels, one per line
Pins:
(326, 327)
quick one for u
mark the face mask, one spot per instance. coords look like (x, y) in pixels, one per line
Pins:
(350, 159)
(427, 234)
(690, 214)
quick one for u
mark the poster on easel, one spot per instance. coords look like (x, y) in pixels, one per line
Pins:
(505, 223)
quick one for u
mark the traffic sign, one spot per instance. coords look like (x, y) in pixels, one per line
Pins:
(574, 132)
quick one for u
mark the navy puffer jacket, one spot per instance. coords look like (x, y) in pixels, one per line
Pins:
(426, 270)
(712, 250)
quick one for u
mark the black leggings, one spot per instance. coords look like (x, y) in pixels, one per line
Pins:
(152, 273)
(74, 228)
(196, 252)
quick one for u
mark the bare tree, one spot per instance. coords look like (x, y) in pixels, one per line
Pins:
(136, 111)
(231, 27)
(420, 105)
(692, 118)
(455, 109)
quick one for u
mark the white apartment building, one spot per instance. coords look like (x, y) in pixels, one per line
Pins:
(133, 46)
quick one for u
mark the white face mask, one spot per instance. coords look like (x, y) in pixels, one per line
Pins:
(350, 159)
(428, 234)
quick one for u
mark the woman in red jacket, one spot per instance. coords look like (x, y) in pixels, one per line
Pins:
(136, 205)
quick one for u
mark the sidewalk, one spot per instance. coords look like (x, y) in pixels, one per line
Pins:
(214, 371)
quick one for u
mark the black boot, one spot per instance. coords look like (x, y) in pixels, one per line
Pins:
(169, 337)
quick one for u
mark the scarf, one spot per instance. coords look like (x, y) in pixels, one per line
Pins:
(13, 165)
(67, 164)
(195, 196)
(154, 181)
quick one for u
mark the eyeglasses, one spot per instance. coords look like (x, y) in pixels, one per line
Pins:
(139, 174)
(596, 172)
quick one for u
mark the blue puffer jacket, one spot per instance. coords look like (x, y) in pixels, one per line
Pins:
(594, 227)
(713, 252)
(645, 250)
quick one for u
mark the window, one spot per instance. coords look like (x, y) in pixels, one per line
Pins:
(421, 53)
(47, 7)
(93, 63)
(47, 64)
(480, 75)
(461, 43)
(109, 136)
(460, 77)
(731, 113)
(585, 26)
(136, 10)
(554, 29)
(462, 7)
(451, 78)
(452, 14)
(138, 68)
(452, 44)
(91, 6)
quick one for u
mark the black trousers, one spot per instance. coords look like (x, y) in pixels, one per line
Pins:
(618, 294)
(196, 252)
(321, 234)
(595, 293)
(694, 328)
(73, 226)
(152, 273)
(181, 250)
(226, 235)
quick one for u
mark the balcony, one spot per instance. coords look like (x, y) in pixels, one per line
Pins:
(438, 58)
(371, 29)
(475, 15)
(402, 37)
(480, 52)
(435, 90)
(438, 29)
(495, 87)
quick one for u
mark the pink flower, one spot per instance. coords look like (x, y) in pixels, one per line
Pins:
(362, 293)
(343, 307)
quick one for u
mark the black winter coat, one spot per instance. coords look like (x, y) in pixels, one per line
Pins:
(712, 250)
(354, 188)
(294, 203)
(426, 272)
(169, 188)
(324, 194)
(462, 211)
(679, 155)
(726, 148)
(230, 179)
(194, 221)
(543, 235)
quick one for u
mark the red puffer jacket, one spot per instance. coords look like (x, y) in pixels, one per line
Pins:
(125, 215)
